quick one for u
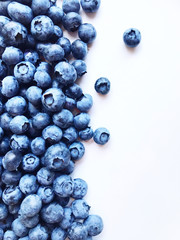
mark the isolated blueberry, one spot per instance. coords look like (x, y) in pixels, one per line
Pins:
(38, 146)
(34, 95)
(71, 21)
(53, 99)
(31, 56)
(42, 78)
(18, 228)
(90, 6)
(40, 7)
(77, 150)
(19, 143)
(20, 13)
(58, 234)
(12, 160)
(38, 233)
(46, 194)
(12, 55)
(56, 14)
(63, 186)
(102, 85)
(52, 213)
(11, 195)
(87, 32)
(16, 106)
(101, 136)
(9, 235)
(3, 211)
(80, 67)
(65, 44)
(79, 49)
(42, 27)
(67, 219)
(132, 37)
(24, 72)
(94, 225)
(63, 119)
(41, 120)
(19, 124)
(86, 134)
(70, 134)
(65, 73)
(11, 178)
(30, 162)
(28, 184)
(77, 231)
(31, 205)
(80, 188)
(80, 209)
(45, 177)
(81, 120)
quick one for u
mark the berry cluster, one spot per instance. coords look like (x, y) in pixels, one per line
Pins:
(44, 119)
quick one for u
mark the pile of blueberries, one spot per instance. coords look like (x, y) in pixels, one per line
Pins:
(44, 119)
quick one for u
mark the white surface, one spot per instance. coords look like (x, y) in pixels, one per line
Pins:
(134, 181)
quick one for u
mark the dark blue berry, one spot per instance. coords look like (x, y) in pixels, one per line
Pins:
(132, 37)
(12, 55)
(71, 6)
(90, 6)
(30, 162)
(80, 67)
(56, 14)
(102, 85)
(19, 142)
(63, 119)
(77, 150)
(71, 21)
(94, 225)
(101, 136)
(79, 49)
(12, 160)
(52, 213)
(63, 186)
(24, 72)
(65, 44)
(40, 7)
(87, 32)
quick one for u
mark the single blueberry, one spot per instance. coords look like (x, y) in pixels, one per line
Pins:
(81, 121)
(65, 44)
(74, 91)
(70, 134)
(41, 120)
(58, 234)
(80, 67)
(101, 136)
(28, 184)
(132, 37)
(42, 78)
(79, 49)
(30, 162)
(10, 86)
(77, 150)
(12, 55)
(53, 53)
(87, 32)
(46, 194)
(77, 231)
(11, 178)
(70, 104)
(38, 146)
(24, 72)
(63, 119)
(102, 85)
(71, 6)
(52, 134)
(16, 106)
(4, 146)
(71, 21)
(31, 205)
(80, 188)
(40, 7)
(18, 228)
(12, 160)
(29, 222)
(86, 134)
(38, 232)
(19, 143)
(56, 14)
(19, 124)
(90, 6)
(11, 195)
(85, 103)
(10, 235)
(45, 177)
(34, 95)
(68, 218)
(63, 186)
(94, 225)
(52, 213)
(80, 209)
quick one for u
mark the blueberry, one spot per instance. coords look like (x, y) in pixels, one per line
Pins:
(40, 7)
(52, 213)
(16, 106)
(44, 67)
(4, 145)
(80, 188)
(80, 67)
(41, 120)
(63, 119)
(80, 209)
(86, 134)
(46, 194)
(14, 209)
(71, 21)
(77, 150)
(3, 69)
(87, 32)
(81, 120)
(38, 146)
(29, 222)
(42, 78)
(79, 49)
(18, 228)
(53, 99)
(6, 224)
(94, 225)
(70, 135)
(10, 86)
(52, 134)
(31, 56)
(132, 37)
(30, 162)
(101, 136)
(34, 95)
(57, 157)
(24, 72)
(11, 195)
(45, 177)
(90, 6)
(63, 186)
(74, 91)
(31, 205)
(10, 235)
(19, 124)
(12, 55)
(77, 231)
(3, 211)
(20, 13)
(11, 178)
(65, 44)
(56, 14)
(3, 20)
(33, 131)
(68, 218)
(28, 184)
(71, 6)
(14, 33)
(70, 104)
(53, 53)
(65, 73)
(58, 234)
(42, 27)
(58, 33)
(19, 143)
(12, 160)
(38, 233)
(85, 103)
(102, 85)
(63, 201)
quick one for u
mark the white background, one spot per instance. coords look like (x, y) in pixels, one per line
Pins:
(134, 180)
